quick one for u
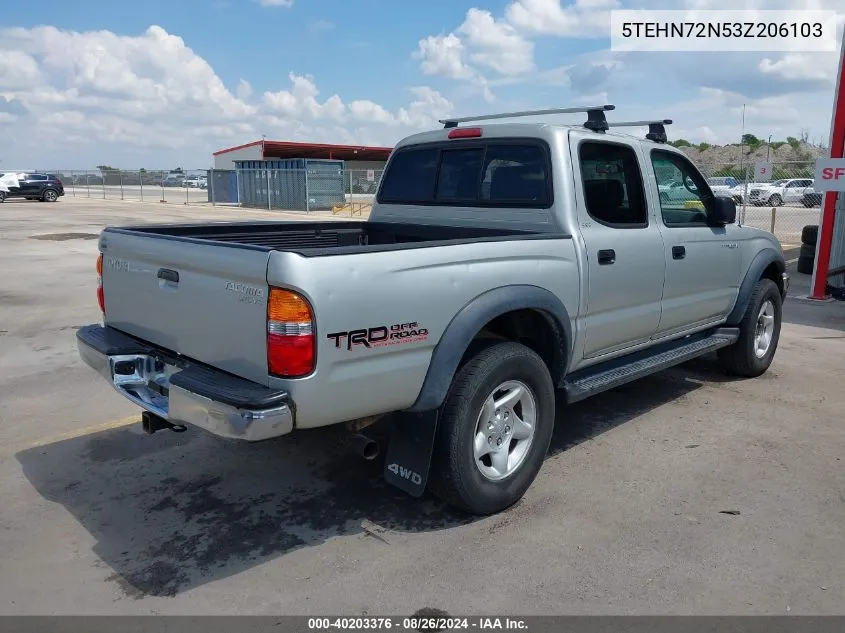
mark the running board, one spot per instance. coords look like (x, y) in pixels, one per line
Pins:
(619, 371)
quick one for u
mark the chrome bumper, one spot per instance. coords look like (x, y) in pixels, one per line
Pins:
(212, 400)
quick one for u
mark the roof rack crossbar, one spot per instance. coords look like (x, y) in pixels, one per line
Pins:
(656, 129)
(595, 116)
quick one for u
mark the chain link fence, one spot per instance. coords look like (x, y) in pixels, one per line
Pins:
(783, 205)
(318, 189)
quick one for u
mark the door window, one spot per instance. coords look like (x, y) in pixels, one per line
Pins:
(684, 194)
(613, 185)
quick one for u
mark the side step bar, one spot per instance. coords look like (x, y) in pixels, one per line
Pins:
(619, 371)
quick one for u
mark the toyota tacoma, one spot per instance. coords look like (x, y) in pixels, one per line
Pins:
(504, 266)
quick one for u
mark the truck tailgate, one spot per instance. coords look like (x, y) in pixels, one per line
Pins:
(207, 302)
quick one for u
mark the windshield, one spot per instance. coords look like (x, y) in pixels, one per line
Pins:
(778, 183)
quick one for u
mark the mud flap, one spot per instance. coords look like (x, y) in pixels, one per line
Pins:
(409, 451)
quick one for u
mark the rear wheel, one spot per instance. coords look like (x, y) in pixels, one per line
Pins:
(50, 195)
(759, 333)
(2, 196)
(495, 429)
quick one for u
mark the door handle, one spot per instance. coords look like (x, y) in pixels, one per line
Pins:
(168, 275)
(607, 257)
(679, 252)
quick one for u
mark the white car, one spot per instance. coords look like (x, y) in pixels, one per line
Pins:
(722, 185)
(774, 194)
(196, 182)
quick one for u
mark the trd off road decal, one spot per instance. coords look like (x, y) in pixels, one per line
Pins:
(380, 336)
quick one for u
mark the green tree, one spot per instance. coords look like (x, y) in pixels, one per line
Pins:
(751, 141)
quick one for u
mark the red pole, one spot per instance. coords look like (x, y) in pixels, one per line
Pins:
(837, 148)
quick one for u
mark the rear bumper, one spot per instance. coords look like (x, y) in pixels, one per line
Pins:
(184, 392)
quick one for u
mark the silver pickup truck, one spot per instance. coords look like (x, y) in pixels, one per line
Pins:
(503, 266)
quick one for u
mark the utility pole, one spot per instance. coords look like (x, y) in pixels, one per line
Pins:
(768, 147)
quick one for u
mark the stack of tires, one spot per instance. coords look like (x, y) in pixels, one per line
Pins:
(807, 256)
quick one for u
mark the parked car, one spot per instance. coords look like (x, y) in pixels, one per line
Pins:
(676, 192)
(32, 186)
(722, 185)
(774, 194)
(173, 180)
(196, 182)
(811, 197)
(453, 315)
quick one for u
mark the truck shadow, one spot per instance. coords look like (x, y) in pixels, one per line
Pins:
(175, 511)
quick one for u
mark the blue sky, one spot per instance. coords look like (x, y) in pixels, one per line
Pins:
(160, 83)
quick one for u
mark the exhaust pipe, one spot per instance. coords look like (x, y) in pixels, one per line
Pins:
(151, 423)
(364, 446)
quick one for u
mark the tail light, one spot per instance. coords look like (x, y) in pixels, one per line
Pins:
(101, 299)
(290, 334)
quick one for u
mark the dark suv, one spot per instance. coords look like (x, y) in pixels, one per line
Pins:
(44, 187)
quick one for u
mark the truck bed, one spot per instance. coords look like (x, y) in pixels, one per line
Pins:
(313, 239)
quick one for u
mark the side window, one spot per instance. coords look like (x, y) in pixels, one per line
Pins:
(613, 185)
(515, 174)
(410, 176)
(682, 190)
(459, 172)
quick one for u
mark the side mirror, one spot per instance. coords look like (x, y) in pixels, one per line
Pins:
(723, 211)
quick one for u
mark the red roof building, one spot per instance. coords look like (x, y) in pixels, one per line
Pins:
(358, 156)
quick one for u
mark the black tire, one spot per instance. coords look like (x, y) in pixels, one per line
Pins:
(810, 235)
(805, 265)
(807, 250)
(774, 201)
(455, 476)
(741, 358)
(2, 196)
(50, 195)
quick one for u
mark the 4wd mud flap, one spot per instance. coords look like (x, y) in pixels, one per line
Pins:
(409, 451)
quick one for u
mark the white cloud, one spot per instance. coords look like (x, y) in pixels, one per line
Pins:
(496, 44)
(244, 90)
(584, 18)
(101, 97)
(302, 100)
(276, 3)
(18, 69)
(443, 55)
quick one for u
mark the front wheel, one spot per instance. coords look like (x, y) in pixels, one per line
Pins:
(495, 429)
(759, 333)
(775, 201)
(2, 196)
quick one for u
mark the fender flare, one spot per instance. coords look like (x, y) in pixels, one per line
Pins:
(471, 319)
(761, 261)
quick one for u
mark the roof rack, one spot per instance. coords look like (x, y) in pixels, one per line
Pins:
(596, 121)
(656, 129)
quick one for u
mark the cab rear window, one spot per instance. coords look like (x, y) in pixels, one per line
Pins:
(470, 173)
